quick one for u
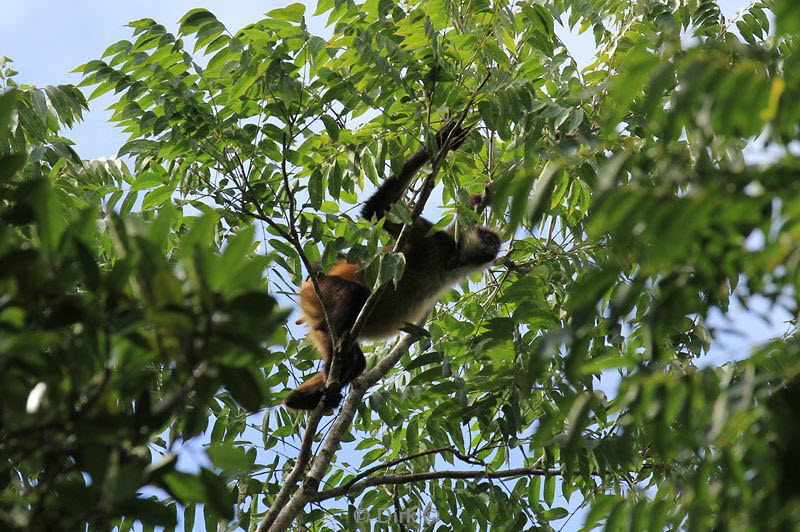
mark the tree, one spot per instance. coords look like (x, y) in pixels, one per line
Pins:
(631, 215)
(118, 333)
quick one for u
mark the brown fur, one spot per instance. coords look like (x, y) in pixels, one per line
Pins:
(335, 289)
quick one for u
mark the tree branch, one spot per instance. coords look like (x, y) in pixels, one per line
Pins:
(303, 457)
(371, 470)
(470, 459)
(280, 517)
(406, 478)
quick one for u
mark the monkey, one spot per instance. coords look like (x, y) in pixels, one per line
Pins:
(434, 262)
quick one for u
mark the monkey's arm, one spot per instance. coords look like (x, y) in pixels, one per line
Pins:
(391, 190)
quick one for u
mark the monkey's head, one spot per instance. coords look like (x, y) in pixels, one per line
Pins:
(479, 247)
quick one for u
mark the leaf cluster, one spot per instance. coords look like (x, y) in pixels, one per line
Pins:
(116, 335)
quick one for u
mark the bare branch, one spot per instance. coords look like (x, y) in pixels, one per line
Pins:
(397, 511)
(303, 457)
(407, 478)
(470, 459)
(392, 463)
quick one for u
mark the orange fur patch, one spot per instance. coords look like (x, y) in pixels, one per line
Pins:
(309, 302)
(347, 271)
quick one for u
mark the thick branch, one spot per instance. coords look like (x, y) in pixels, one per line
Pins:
(323, 459)
(303, 457)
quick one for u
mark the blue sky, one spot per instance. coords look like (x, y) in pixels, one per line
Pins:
(47, 39)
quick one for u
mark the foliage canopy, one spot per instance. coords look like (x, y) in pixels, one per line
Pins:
(134, 306)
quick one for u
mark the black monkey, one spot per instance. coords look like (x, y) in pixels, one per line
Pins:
(433, 264)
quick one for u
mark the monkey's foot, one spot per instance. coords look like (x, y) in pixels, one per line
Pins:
(332, 399)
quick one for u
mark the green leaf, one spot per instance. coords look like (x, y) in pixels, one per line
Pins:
(549, 490)
(412, 437)
(188, 517)
(39, 103)
(599, 510)
(230, 458)
(195, 18)
(391, 267)
(431, 357)
(150, 512)
(8, 101)
(11, 164)
(245, 388)
(555, 513)
(323, 6)
(401, 214)
(128, 202)
(315, 191)
(787, 17)
(607, 361)
(236, 251)
(244, 82)
(329, 207)
(534, 490)
(218, 496)
(544, 189)
(291, 13)
(331, 127)
(156, 197)
(427, 376)
(634, 74)
(184, 487)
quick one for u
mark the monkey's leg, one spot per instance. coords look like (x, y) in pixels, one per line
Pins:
(343, 301)
(355, 364)
(307, 395)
